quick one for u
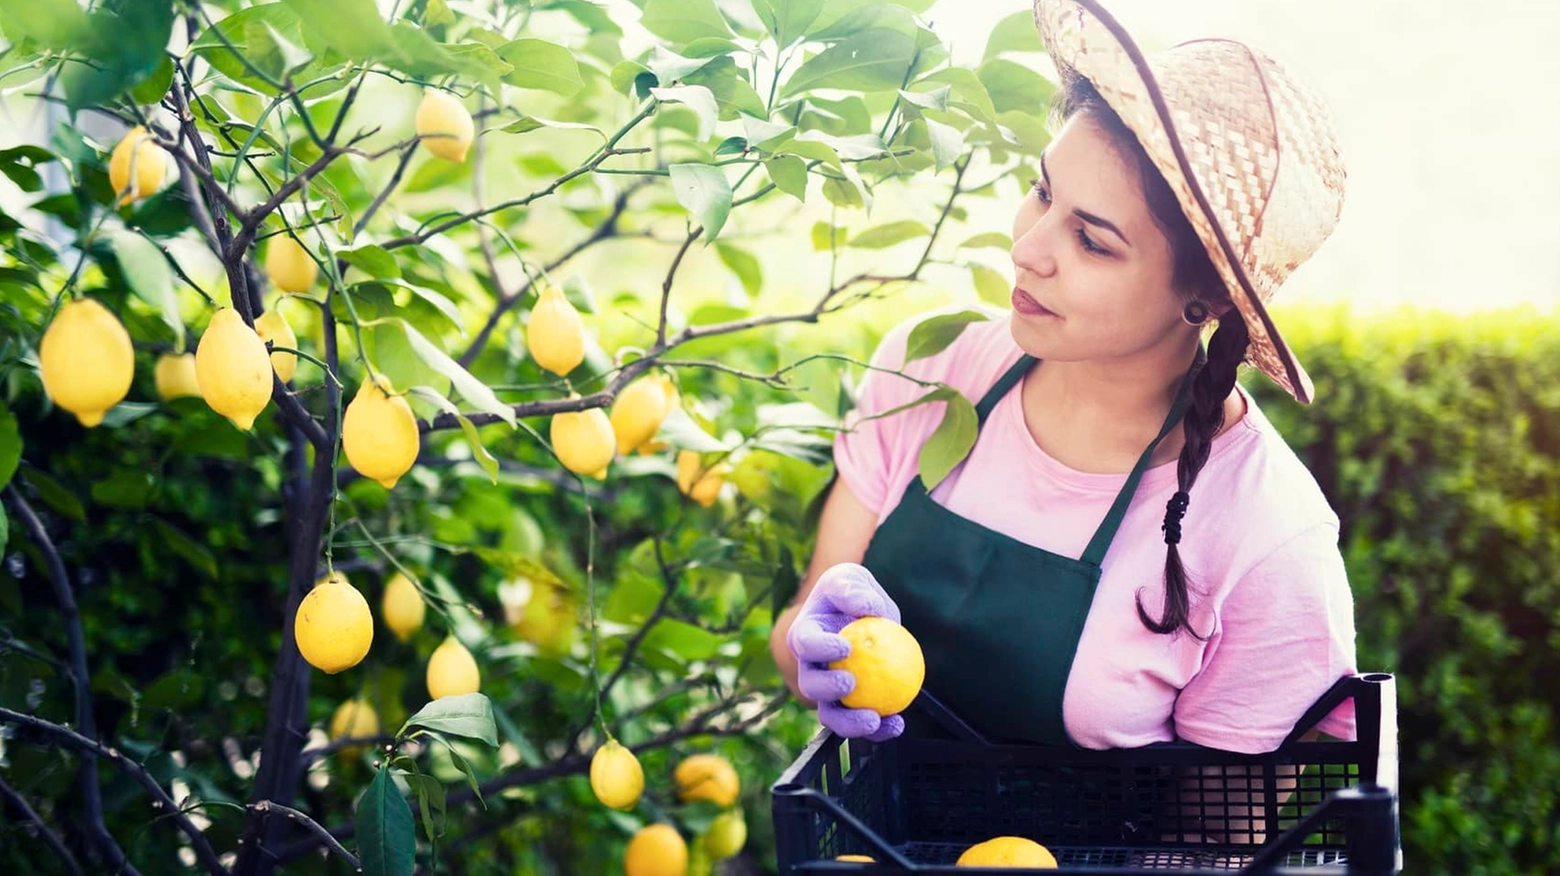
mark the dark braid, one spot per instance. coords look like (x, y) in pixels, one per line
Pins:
(1204, 418)
(1193, 275)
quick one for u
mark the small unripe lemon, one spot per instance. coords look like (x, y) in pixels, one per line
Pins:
(707, 777)
(289, 266)
(137, 165)
(86, 360)
(698, 483)
(273, 328)
(334, 627)
(583, 441)
(726, 836)
(379, 434)
(354, 719)
(175, 375)
(555, 335)
(402, 607)
(452, 671)
(541, 614)
(233, 369)
(1008, 851)
(639, 409)
(656, 850)
(445, 125)
(615, 776)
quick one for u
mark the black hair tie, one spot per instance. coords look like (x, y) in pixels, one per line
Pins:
(1175, 509)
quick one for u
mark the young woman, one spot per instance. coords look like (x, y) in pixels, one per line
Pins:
(1130, 553)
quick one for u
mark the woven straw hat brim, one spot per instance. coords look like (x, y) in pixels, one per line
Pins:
(1249, 152)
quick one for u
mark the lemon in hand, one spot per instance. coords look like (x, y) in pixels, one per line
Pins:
(616, 777)
(379, 434)
(233, 369)
(334, 627)
(887, 663)
(1008, 851)
(86, 360)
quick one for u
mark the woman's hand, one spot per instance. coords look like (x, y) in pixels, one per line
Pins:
(844, 592)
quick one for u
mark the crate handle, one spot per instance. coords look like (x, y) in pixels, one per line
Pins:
(820, 800)
(1369, 808)
(1364, 688)
(928, 703)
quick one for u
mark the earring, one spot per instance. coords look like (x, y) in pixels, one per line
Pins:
(1195, 313)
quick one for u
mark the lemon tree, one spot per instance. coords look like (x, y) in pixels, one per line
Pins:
(517, 330)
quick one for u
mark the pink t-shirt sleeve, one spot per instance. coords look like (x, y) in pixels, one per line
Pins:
(1285, 635)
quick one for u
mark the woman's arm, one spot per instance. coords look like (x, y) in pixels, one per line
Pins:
(844, 529)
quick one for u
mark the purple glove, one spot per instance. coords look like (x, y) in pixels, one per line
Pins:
(844, 593)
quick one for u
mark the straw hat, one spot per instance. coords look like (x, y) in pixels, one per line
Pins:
(1248, 150)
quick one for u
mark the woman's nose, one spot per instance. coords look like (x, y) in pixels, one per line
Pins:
(1034, 250)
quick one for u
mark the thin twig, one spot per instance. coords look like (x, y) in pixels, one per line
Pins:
(24, 813)
(313, 827)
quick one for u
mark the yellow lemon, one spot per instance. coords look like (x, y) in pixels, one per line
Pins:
(445, 125)
(707, 777)
(639, 409)
(1008, 851)
(555, 336)
(137, 165)
(656, 850)
(175, 375)
(354, 719)
(86, 360)
(726, 836)
(334, 627)
(289, 266)
(887, 663)
(402, 607)
(615, 776)
(544, 615)
(233, 369)
(273, 328)
(698, 483)
(379, 434)
(859, 859)
(452, 671)
(583, 441)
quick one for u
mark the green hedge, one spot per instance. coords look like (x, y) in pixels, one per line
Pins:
(1437, 439)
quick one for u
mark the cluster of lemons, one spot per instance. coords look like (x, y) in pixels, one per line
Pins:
(658, 849)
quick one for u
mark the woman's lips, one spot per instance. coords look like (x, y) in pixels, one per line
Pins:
(1026, 305)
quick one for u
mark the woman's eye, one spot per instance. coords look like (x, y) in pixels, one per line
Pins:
(1089, 244)
(1040, 191)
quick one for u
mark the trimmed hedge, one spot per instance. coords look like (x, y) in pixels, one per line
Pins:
(1437, 439)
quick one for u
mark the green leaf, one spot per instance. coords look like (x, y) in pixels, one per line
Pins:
(55, 495)
(387, 837)
(814, 150)
(994, 239)
(1013, 86)
(704, 191)
(1015, 33)
(543, 65)
(238, 29)
(527, 124)
(787, 20)
(952, 440)
(872, 60)
(440, 302)
(668, 66)
(376, 261)
(826, 236)
(742, 263)
(125, 488)
(195, 553)
(947, 143)
(683, 21)
(5, 535)
(936, 99)
(146, 270)
(760, 132)
(933, 335)
(970, 93)
(19, 162)
(53, 24)
(478, 451)
(734, 95)
(991, 285)
(392, 355)
(465, 768)
(437, 13)
(470, 388)
(353, 28)
(419, 54)
(578, 292)
(125, 413)
(468, 715)
(683, 640)
(155, 85)
(10, 444)
(854, 147)
(680, 431)
(697, 98)
(888, 234)
(789, 174)
(430, 799)
(625, 74)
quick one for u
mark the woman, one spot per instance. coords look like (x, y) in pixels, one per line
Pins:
(1130, 553)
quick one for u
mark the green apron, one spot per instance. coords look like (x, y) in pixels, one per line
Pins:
(998, 620)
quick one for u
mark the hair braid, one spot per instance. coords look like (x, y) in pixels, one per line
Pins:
(1211, 386)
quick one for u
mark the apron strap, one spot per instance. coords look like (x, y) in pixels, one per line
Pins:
(1095, 554)
(999, 389)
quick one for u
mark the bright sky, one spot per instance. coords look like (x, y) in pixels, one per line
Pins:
(1448, 119)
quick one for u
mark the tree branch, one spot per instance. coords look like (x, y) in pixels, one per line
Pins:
(71, 739)
(24, 813)
(395, 180)
(313, 826)
(666, 285)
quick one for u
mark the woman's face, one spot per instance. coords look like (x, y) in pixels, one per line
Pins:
(1092, 268)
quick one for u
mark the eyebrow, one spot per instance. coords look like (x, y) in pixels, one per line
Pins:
(1088, 217)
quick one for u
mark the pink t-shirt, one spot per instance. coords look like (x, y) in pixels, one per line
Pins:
(1259, 545)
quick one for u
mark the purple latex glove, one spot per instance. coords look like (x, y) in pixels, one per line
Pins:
(844, 593)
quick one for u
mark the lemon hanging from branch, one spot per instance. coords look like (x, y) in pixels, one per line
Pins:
(555, 336)
(616, 777)
(656, 850)
(698, 483)
(334, 627)
(353, 719)
(289, 266)
(402, 608)
(445, 125)
(233, 369)
(639, 410)
(137, 166)
(379, 434)
(452, 671)
(273, 329)
(583, 441)
(707, 777)
(175, 376)
(86, 360)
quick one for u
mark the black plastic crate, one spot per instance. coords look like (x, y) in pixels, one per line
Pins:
(1314, 808)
